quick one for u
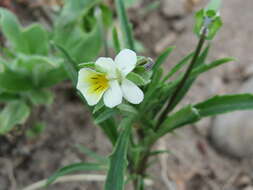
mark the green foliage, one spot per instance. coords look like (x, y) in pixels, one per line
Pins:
(75, 168)
(137, 79)
(30, 40)
(70, 65)
(224, 104)
(39, 97)
(116, 42)
(92, 154)
(162, 58)
(36, 38)
(208, 19)
(186, 115)
(77, 31)
(36, 130)
(15, 113)
(118, 159)
(125, 25)
(37, 59)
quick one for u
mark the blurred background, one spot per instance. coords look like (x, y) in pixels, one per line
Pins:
(212, 155)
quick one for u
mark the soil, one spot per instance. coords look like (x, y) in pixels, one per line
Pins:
(193, 163)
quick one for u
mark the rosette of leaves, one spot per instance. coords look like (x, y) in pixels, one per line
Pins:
(28, 69)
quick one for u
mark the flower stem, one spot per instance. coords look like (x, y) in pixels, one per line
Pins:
(170, 104)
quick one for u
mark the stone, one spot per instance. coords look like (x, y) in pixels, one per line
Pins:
(173, 8)
(232, 133)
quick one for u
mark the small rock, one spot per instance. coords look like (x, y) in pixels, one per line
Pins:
(174, 7)
(179, 25)
(165, 42)
(248, 188)
(232, 133)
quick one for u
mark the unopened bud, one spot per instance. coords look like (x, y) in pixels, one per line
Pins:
(149, 65)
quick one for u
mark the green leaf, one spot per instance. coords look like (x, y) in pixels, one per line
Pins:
(107, 15)
(156, 152)
(87, 64)
(178, 66)
(195, 73)
(53, 77)
(216, 25)
(36, 38)
(74, 168)
(98, 107)
(104, 115)
(183, 91)
(118, 160)
(224, 104)
(162, 58)
(206, 67)
(127, 108)
(125, 25)
(152, 90)
(6, 97)
(12, 30)
(199, 21)
(92, 154)
(14, 113)
(88, 47)
(40, 97)
(116, 42)
(70, 65)
(186, 115)
(137, 79)
(36, 130)
(77, 31)
(14, 82)
(110, 129)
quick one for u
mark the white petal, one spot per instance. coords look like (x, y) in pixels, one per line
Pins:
(126, 61)
(106, 65)
(113, 96)
(83, 85)
(83, 75)
(91, 98)
(131, 92)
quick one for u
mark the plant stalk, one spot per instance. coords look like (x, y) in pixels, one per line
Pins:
(170, 104)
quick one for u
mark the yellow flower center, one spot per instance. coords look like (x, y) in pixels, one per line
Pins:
(98, 83)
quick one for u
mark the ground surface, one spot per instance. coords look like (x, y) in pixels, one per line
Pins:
(193, 164)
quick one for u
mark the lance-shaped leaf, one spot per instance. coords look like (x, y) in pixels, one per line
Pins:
(125, 25)
(92, 154)
(118, 159)
(116, 42)
(184, 116)
(178, 66)
(162, 58)
(224, 104)
(75, 168)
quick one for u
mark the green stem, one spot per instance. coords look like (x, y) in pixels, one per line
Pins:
(170, 106)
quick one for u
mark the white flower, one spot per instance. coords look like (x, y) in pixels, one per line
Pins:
(109, 80)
